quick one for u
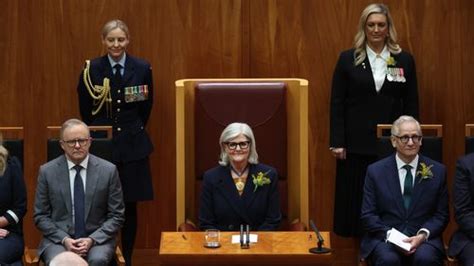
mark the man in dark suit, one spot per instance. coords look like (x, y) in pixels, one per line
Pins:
(462, 241)
(79, 204)
(406, 191)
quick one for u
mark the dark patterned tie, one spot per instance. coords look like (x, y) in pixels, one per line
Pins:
(117, 75)
(408, 186)
(79, 210)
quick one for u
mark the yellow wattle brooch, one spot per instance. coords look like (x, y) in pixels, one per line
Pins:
(261, 179)
(391, 61)
(425, 171)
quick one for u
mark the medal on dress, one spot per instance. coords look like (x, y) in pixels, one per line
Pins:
(402, 75)
(389, 74)
(240, 185)
(239, 178)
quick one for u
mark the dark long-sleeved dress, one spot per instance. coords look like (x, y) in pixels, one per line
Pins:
(13, 208)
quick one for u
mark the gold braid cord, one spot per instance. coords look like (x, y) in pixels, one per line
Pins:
(100, 94)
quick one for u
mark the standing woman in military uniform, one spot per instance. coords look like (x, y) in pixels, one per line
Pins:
(117, 89)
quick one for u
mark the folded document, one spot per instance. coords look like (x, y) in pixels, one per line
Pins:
(396, 237)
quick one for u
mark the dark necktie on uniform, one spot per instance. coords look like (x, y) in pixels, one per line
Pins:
(79, 210)
(117, 75)
(408, 186)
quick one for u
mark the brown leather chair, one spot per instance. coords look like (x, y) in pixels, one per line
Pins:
(432, 141)
(276, 109)
(469, 141)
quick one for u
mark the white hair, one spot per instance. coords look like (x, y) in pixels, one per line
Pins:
(232, 131)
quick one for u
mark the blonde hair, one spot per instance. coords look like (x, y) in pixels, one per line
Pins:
(360, 40)
(3, 156)
(114, 24)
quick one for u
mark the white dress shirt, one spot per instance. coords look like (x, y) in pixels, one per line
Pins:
(378, 63)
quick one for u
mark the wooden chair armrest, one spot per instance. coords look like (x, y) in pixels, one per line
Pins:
(296, 225)
(187, 226)
(30, 257)
(363, 262)
(119, 257)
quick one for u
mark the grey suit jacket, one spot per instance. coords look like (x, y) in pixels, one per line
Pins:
(103, 202)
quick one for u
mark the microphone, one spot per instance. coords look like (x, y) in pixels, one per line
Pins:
(244, 237)
(319, 249)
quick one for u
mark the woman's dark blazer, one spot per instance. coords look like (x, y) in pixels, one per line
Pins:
(357, 108)
(222, 208)
(13, 195)
(131, 141)
(463, 201)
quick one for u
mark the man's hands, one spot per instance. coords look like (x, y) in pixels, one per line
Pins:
(415, 242)
(79, 246)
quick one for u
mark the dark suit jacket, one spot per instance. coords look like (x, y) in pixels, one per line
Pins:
(13, 195)
(383, 208)
(104, 207)
(357, 108)
(131, 142)
(463, 198)
(222, 208)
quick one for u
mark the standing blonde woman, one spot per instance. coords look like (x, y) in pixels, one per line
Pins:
(373, 83)
(12, 207)
(117, 90)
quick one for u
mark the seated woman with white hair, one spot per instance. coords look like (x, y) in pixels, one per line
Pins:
(240, 191)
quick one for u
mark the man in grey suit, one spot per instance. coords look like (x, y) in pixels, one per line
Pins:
(78, 204)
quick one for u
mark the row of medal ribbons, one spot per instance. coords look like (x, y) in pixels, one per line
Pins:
(395, 74)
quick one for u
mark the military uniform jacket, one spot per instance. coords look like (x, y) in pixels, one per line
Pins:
(132, 101)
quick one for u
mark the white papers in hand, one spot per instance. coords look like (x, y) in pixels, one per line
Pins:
(236, 238)
(396, 237)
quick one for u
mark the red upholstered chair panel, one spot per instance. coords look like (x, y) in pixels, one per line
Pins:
(262, 106)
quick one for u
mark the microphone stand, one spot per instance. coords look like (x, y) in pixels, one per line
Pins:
(244, 236)
(319, 249)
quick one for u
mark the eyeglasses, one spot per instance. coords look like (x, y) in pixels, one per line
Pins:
(72, 143)
(233, 145)
(405, 139)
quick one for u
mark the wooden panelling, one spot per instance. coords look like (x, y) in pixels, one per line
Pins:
(44, 43)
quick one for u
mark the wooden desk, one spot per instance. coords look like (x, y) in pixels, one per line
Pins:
(290, 248)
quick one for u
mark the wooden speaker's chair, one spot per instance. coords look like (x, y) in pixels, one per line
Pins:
(277, 111)
(432, 143)
(101, 147)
